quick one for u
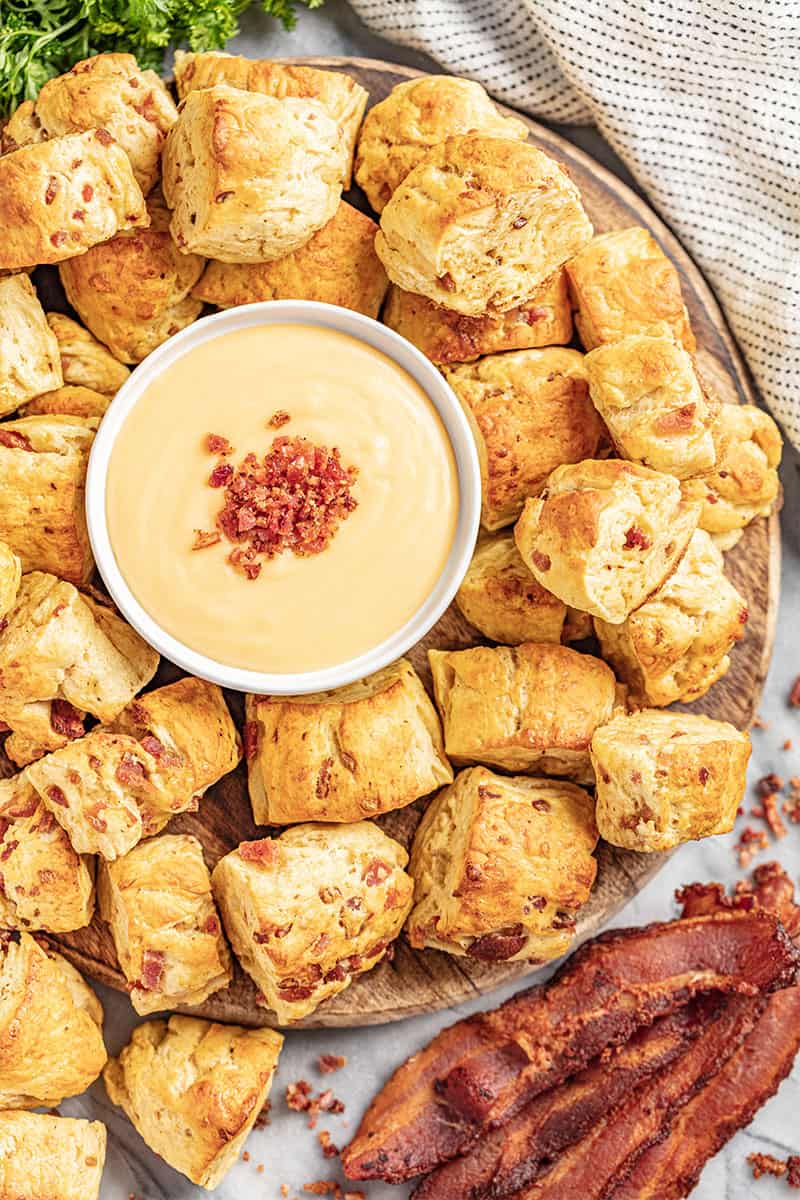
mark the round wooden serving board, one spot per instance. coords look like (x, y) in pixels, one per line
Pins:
(417, 982)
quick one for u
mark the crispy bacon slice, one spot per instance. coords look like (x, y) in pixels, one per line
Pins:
(511, 1156)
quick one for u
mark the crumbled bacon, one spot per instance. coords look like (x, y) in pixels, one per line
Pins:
(203, 538)
(250, 738)
(65, 719)
(298, 1095)
(262, 851)
(152, 970)
(328, 1148)
(794, 694)
(130, 770)
(88, 192)
(328, 1063)
(279, 419)
(635, 538)
(293, 500)
(56, 796)
(8, 850)
(769, 784)
(376, 872)
(542, 561)
(51, 189)
(768, 1164)
(216, 444)
(211, 925)
(103, 137)
(772, 816)
(447, 282)
(750, 842)
(18, 812)
(791, 806)
(13, 440)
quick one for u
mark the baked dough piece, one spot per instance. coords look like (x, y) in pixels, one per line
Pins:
(45, 1157)
(500, 597)
(193, 1090)
(133, 291)
(416, 116)
(623, 283)
(744, 483)
(647, 392)
(675, 646)
(480, 223)
(368, 748)
(250, 178)
(530, 412)
(343, 99)
(500, 867)
(167, 934)
(51, 1042)
(309, 911)
(84, 361)
(69, 401)
(605, 534)
(447, 337)
(189, 740)
(523, 708)
(29, 362)
(337, 266)
(10, 578)
(23, 128)
(45, 884)
(43, 464)
(664, 778)
(62, 654)
(60, 197)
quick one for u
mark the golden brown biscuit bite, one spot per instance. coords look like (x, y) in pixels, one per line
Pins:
(361, 750)
(623, 283)
(605, 534)
(47, 1157)
(168, 937)
(416, 116)
(43, 464)
(310, 910)
(529, 411)
(51, 1042)
(447, 337)
(337, 266)
(29, 360)
(69, 401)
(250, 178)
(501, 866)
(193, 1090)
(340, 95)
(647, 392)
(480, 223)
(523, 708)
(667, 777)
(62, 196)
(109, 91)
(676, 644)
(133, 290)
(85, 362)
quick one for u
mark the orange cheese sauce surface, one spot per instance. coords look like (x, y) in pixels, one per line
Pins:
(301, 613)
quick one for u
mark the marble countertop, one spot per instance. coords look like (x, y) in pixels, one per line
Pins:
(287, 1150)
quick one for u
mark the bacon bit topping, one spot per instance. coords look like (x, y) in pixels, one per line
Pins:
(447, 282)
(541, 805)
(56, 796)
(21, 811)
(130, 770)
(328, 1063)
(216, 444)
(211, 925)
(65, 719)
(323, 785)
(328, 1148)
(293, 500)
(636, 539)
(520, 223)
(279, 419)
(262, 851)
(542, 561)
(768, 1164)
(88, 192)
(8, 850)
(794, 694)
(744, 616)
(103, 137)
(155, 748)
(51, 190)
(58, 238)
(296, 991)
(533, 314)
(376, 872)
(498, 947)
(703, 774)
(14, 440)
(79, 215)
(152, 970)
(750, 842)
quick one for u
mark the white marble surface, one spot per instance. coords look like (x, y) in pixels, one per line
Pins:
(287, 1149)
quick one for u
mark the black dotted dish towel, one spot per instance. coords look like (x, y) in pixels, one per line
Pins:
(700, 98)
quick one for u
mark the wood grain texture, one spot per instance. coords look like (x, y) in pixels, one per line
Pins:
(417, 982)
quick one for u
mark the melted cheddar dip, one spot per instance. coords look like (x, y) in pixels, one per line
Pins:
(300, 613)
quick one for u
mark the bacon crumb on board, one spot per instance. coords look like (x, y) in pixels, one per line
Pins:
(299, 1098)
(328, 1063)
(787, 745)
(768, 1164)
(794, 694)
(758, 722)
(750, 842)
(328, 1148)
(279, 418)
(791, 806)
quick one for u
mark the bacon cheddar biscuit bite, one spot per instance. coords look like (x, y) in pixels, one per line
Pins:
(529, 411)
(250, 178)
(523, 708)
(676, 644)
(667, 777)
(654, 406)
(168, 937)
(29, 359)
(447, 337)
(133, 290)
(343, 99)
(501, 866)
(337, 266)
(85, 362)
(60, 197)
(310, 910)
(48, 1157)
(603, 535)
(193, 1090)
(68, 401)
(480, 223)
(417, 115)
(623, 283)
(358, 751)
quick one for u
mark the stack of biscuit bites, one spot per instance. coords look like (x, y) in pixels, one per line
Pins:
(612, 482)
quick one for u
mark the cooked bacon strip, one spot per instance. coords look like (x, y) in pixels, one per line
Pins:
(729, 1102)
(510, 1157)
(492, 1064)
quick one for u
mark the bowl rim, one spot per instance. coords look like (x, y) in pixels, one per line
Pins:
(379, 337)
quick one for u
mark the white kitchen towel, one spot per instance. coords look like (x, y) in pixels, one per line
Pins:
(701, 100)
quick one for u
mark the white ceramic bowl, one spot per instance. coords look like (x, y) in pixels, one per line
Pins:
(283, 312)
